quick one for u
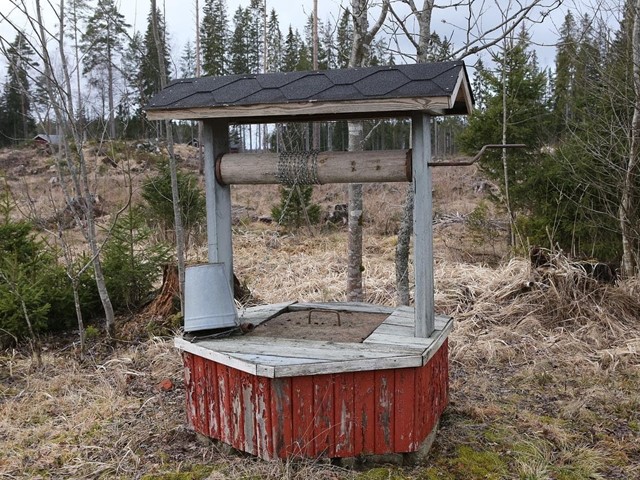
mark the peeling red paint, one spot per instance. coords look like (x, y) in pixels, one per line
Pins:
(334, 415)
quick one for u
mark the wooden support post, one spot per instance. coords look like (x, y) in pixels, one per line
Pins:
(218, 197)
(422, 225)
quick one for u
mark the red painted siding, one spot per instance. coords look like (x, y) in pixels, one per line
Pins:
(336, 415)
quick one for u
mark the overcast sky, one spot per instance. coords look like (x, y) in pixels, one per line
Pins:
(180, 19)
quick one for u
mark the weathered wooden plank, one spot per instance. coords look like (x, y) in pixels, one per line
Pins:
(224, 396)
(247, 386)
(384, 409)
(438, 342)
(274, 360)
(365, 412)
(293, 111)
(343, 306)
(237, 409)
(189, 386)
(213, 409)
(385, 339)
(323, 423)
(441, 374)
(422, 225)
(408, 320)
(302, 402)
(408, 330)
(322, 368)
(250, 351)
(203, 349)
(331, 167)
(263, 419)
(404, 398)
(274, 345)
(397, 330)
(202, 405)
(282, 416)
(262, 313)
(424, 399)
(344, 408)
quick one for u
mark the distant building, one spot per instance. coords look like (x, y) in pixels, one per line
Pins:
(43, 140)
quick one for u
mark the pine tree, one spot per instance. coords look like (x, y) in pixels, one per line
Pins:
(102, 43)
(16, 119)
(214, 34)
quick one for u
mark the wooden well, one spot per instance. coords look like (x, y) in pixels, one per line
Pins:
(309, 398)
(287, 397)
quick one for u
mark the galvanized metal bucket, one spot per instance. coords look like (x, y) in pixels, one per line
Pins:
(208, 300)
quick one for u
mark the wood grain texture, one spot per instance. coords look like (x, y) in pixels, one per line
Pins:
(332, 167)
(422, 225)
(334, 415)
(303, 111)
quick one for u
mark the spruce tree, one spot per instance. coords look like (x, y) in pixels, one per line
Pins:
(566, 57)
(344, 38)
(527, 114)
(214, 35)
(255, 34)
(291, 54)
(274, 43)
(188, 61)
(239, 50)
(16, 119)
(150, 74)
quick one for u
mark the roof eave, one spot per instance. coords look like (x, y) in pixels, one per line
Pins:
(314, 110)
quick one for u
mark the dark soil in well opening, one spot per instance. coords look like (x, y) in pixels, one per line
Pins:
(323, 325)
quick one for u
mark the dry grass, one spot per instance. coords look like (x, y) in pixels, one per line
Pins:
(544, 384)
(545, 365)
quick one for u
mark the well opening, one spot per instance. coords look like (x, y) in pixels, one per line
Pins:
(321, 324)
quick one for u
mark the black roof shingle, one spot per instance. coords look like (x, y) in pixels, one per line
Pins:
(210, 97)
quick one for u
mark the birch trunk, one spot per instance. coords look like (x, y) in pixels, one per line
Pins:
(64, 111)
(362, 38)
(627, 212)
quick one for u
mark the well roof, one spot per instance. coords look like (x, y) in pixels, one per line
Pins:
(369, 92)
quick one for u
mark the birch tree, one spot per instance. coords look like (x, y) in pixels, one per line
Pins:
(630, 195)
(70, 160)
(363, 36)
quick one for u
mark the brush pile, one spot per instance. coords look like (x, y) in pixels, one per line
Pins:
(557, 308)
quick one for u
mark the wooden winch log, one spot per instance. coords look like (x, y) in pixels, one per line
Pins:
(321, 167)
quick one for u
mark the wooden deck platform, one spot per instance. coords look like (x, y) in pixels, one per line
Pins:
(392, 345)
